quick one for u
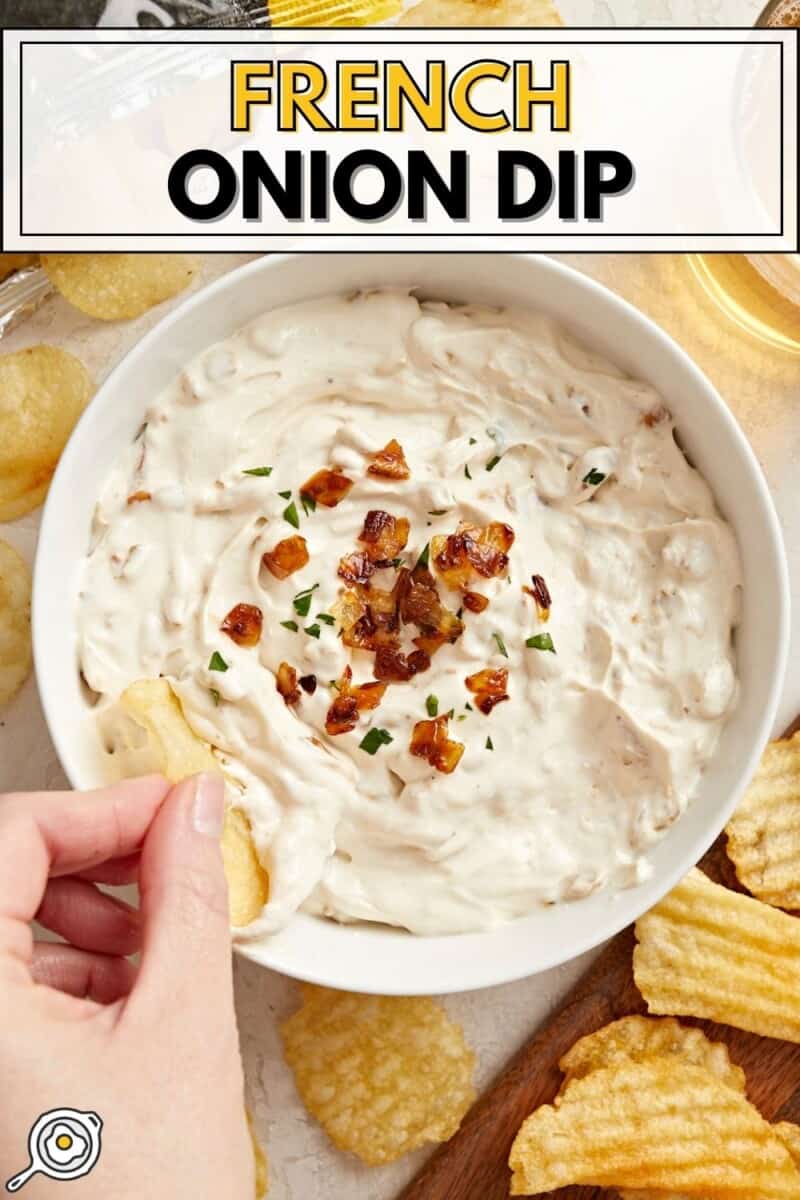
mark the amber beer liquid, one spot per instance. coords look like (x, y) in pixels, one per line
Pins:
(760, 292)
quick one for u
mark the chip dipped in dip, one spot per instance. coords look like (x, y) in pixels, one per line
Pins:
(442, 590)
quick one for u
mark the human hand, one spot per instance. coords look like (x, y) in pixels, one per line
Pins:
(153, 1050)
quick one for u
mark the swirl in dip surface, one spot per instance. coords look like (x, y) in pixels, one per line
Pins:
(616, 696)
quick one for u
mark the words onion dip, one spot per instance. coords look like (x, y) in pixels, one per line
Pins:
(442, 589)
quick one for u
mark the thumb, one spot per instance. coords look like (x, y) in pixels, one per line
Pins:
(186, 946)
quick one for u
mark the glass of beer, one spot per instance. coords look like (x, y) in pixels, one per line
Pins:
(781, 12)
(760, 292)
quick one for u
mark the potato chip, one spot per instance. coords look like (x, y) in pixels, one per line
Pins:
(153, 704)
(113, 287)
(260, 1158)
(15, 262)
(332, 12)
(789, 1133)
(248, 882)
(481, 12)
(43, 391)
(654, 1124)
(658, 1194)
(382, 1074)
(786, 1131)
(15, 622)
(705, 951)
(637, 1039)
(764, 833)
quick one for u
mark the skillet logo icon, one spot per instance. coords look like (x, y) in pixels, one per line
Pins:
(64, 1143)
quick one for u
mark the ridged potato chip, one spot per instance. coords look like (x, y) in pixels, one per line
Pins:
(332, 12)
(786, 1131)
(481, 12)
(655, 1124)
(15, 622)
(764, 832)
(113, 287)
(705, 951)
(637, 1039)
(383, 1075)
(260, 1158)
(789, 1133)
(15, 262)
(43, 391)
(659, 1194)
(153, 704)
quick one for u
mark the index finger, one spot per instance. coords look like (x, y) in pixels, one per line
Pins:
(61, 833)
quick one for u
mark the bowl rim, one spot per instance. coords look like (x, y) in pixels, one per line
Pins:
(593, 935)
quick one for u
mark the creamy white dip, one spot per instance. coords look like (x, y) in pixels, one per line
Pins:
(602, 743)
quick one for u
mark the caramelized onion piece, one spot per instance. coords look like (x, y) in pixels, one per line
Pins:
(418, 661)
(286, 683)
(363, 635)
(541, 595)
(384, 536)
(286, 557)
(243, 624)
(472, 551)
(384, 608)
(139, 497)
(655, 416)
(371, 618)
(475, 602)
(378, 623)
(429, 740)
(393, 666)
(351, 701)
(489, 688)
(356, 567)
(420, 605)
(348, 609)
(327, 487)
(390, 462)
(342, 715)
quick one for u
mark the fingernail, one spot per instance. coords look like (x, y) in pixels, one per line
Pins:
(133, 914)
(208, 805)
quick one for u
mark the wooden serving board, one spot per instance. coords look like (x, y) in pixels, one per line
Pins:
(473, 1164)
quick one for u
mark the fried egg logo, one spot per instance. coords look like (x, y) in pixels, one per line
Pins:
(63, 1144)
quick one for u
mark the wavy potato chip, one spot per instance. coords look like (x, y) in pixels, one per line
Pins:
(705, 951)
(260, 1159)
(637, 1039)
(15, 262)
(659, 1194)
(153, 704)
(764, 832)
(43, 391)
(789, 1133)
(333, 12)
(383, 1075)
(15, 622)
(481, 12)
(655, 1124)
(113, 287)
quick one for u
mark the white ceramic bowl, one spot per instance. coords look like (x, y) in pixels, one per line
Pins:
(371, 958)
